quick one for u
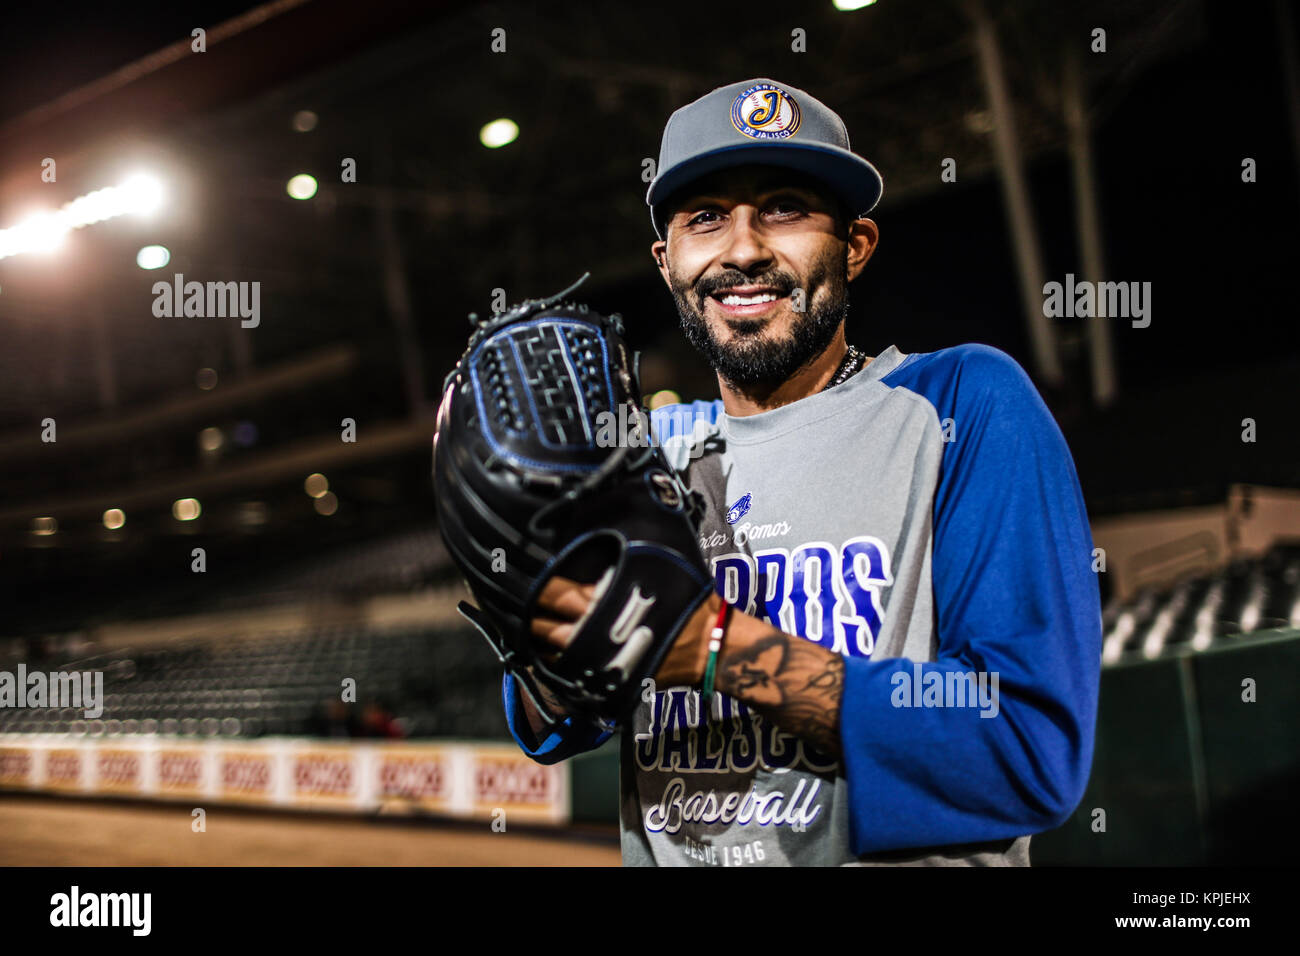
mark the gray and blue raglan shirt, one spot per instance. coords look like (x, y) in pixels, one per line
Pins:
(925, 521)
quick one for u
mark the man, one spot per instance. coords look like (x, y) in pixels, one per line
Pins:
(909, 670)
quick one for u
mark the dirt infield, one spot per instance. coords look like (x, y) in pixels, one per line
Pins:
(36, 831)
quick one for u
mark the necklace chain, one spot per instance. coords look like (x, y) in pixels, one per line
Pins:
(854, 362)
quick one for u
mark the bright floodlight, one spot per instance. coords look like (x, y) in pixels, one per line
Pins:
(93, 207)
(153, 257)
(43, 232)
(847, 5)
(302, 186)
(498, 133)
(140, 195)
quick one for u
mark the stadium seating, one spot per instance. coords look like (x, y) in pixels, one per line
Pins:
(1243, 599)
(394, 563)
(435, 683)
(439, 682)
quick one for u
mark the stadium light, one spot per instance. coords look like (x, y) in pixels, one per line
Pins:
(44, 526)
(211, 439)
(139, 194)
(42, 232)
(153, 257)
(498, 133)
(302, 186)
(846, 5)
(186, 509)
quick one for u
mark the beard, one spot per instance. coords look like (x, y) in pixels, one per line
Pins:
(753, 356)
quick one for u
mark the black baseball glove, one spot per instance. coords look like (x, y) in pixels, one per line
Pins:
(537, 474)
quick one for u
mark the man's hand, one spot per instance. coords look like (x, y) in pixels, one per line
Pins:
(562, 602)
(792, 681)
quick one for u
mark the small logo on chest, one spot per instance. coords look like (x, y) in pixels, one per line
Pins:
(739, 509)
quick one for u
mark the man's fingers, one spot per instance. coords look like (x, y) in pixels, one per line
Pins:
(553, 632)
(565, 599)
(560, 603)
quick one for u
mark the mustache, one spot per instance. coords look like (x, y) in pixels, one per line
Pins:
(777, 279)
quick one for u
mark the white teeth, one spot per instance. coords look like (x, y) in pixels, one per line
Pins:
(749, 299)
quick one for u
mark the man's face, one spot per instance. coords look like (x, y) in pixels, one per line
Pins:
(740, 243)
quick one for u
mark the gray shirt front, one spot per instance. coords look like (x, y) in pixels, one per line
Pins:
(819, 519)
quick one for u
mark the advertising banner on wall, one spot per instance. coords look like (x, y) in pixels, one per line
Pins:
(484, 781)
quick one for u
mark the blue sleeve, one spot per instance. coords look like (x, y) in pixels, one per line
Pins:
(1015, 596)
(560, 745)
(666, 423)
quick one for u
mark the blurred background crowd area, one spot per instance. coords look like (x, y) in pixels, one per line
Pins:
(484, 173)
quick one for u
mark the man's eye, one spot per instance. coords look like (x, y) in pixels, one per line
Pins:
(701, 217)
(788, 208)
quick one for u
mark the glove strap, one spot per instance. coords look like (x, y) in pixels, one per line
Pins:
(715, 648)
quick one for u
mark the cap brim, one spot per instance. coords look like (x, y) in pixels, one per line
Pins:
(854, 179)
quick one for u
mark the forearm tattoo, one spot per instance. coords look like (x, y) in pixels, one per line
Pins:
(795, 683)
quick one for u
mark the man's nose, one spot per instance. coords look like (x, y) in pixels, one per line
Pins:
(746, 247)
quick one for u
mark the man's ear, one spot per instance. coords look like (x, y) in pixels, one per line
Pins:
(863, 237)
(659, 249)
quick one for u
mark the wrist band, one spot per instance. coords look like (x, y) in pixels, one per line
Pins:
(715, 647)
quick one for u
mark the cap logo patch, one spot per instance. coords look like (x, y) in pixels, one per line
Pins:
(765, 111)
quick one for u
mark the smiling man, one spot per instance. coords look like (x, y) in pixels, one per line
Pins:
(908, 670)
(773, 337)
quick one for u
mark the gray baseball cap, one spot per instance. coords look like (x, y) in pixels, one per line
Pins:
(761, 121)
